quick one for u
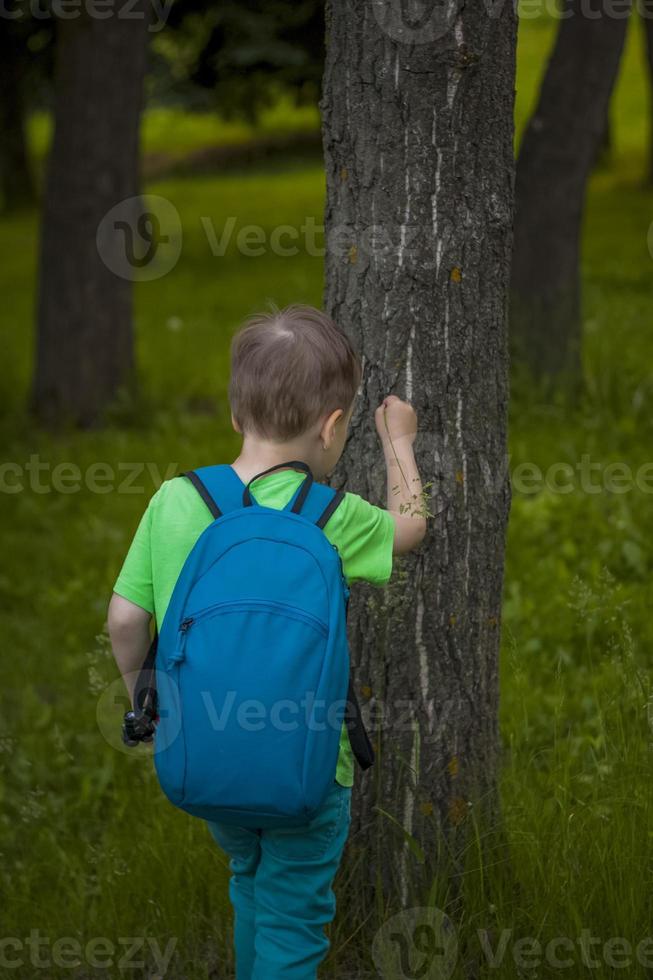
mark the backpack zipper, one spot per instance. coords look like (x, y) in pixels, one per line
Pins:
(181, 639)
(244, 605)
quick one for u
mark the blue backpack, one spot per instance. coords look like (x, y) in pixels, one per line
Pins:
(250, 675)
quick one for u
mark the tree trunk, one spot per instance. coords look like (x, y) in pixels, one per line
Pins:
(419, 160)
(646, 9)
(606, 144)
(85, 343)
(16, 187)
(558, 152)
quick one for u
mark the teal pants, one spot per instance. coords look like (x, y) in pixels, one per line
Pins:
(281, 891)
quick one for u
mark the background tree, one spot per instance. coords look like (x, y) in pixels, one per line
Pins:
(25, 60)
(84, 343)
(646, 9)
(16, 188)
(558, 151)
(418, 130)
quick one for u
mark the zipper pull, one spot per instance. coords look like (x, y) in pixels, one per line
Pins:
(180, 649)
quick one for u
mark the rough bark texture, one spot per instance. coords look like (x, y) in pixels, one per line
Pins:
(419, 159)
(85, 345)
(559, 149)
(16, 187)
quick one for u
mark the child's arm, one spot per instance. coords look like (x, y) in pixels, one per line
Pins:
(396, 423)
(129, 632)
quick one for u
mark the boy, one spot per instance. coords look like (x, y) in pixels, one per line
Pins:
(293, 383)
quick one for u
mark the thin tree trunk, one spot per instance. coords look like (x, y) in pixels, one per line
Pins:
(646, 10)
(559, 149)
(85, 344)
(16, 186)
(419, 160)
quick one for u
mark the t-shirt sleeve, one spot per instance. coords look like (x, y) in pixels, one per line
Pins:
(364, 535)
(135, 579)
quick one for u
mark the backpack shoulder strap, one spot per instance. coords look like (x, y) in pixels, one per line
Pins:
(220, 488)
(321, 503)
(222, 491)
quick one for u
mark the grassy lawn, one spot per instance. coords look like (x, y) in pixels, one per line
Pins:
(175, 134)
(89, 847)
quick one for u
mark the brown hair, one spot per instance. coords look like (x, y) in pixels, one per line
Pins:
(289, 368)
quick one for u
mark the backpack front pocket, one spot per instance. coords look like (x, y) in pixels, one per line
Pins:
(250, 683)
(245, 606)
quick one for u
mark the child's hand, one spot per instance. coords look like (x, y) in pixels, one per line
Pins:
(396, 420)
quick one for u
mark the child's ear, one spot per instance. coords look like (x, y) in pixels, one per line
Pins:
(235, 425)
(328, 431)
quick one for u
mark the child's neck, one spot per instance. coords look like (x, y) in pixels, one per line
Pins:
(257, 455)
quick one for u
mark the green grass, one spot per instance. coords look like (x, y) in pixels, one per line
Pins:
(89, 848)
(174, 133)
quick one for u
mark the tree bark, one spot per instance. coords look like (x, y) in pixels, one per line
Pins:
(558, 152)
(85, 343)
(419, 161)
(606, 144)
(16, 186)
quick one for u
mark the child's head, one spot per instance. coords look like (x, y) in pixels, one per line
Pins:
(294, 375)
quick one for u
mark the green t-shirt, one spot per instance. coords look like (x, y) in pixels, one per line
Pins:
(176, 516)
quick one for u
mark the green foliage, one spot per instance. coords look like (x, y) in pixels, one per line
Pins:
(237, 56)
(89, 847)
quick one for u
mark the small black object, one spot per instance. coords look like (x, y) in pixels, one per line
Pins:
(137, 726)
